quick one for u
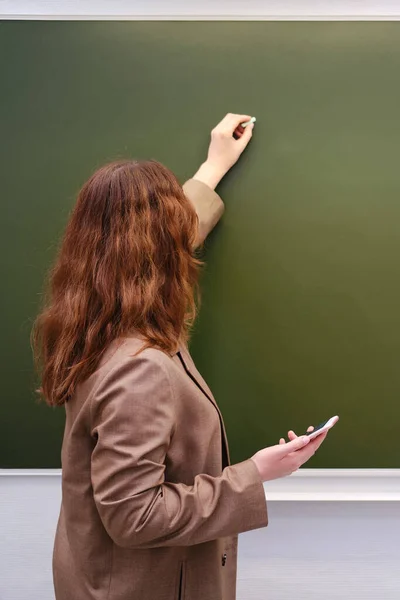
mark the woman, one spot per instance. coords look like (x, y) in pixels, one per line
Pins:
(151, 506)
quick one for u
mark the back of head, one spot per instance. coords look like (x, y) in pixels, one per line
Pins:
(125, 266)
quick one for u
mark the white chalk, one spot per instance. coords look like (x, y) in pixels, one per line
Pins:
(252, 120)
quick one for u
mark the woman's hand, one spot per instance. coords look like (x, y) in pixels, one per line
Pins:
(224, 149)
(285, 458)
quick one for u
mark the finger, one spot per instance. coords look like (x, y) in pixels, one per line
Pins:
(239, 131)
(246, 137)
(282, 441)
(230, 118)
(231, 121)
(303, 455)
(291, 435)
(294, 445)
(317, 441)
(310, 429)
(236, 121)
(237, 134)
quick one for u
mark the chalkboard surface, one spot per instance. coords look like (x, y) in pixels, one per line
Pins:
(301, 293)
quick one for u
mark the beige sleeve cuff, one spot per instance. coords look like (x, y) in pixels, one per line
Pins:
(252, 506)
(208, 205)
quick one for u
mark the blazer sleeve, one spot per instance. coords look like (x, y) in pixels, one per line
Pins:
(208, 205)
(133, 421)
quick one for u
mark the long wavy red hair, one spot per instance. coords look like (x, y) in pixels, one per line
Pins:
(126, 266)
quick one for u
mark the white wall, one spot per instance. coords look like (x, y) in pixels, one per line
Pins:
(323, 551)
(330, 550)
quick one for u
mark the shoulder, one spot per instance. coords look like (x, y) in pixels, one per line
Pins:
(131, 379)
(130, 350)
(127, 354)
(124, 362)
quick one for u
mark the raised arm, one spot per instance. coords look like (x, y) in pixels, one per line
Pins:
(228, 140)
(208, 205)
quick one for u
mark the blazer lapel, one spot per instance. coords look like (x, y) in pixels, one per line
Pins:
(184, 356)
(190, 368)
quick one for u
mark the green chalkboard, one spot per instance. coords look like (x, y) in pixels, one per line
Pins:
(301, 293)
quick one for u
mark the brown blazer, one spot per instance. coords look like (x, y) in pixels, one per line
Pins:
(151, 507)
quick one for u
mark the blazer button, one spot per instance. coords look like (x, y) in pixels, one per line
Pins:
(224, 557)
